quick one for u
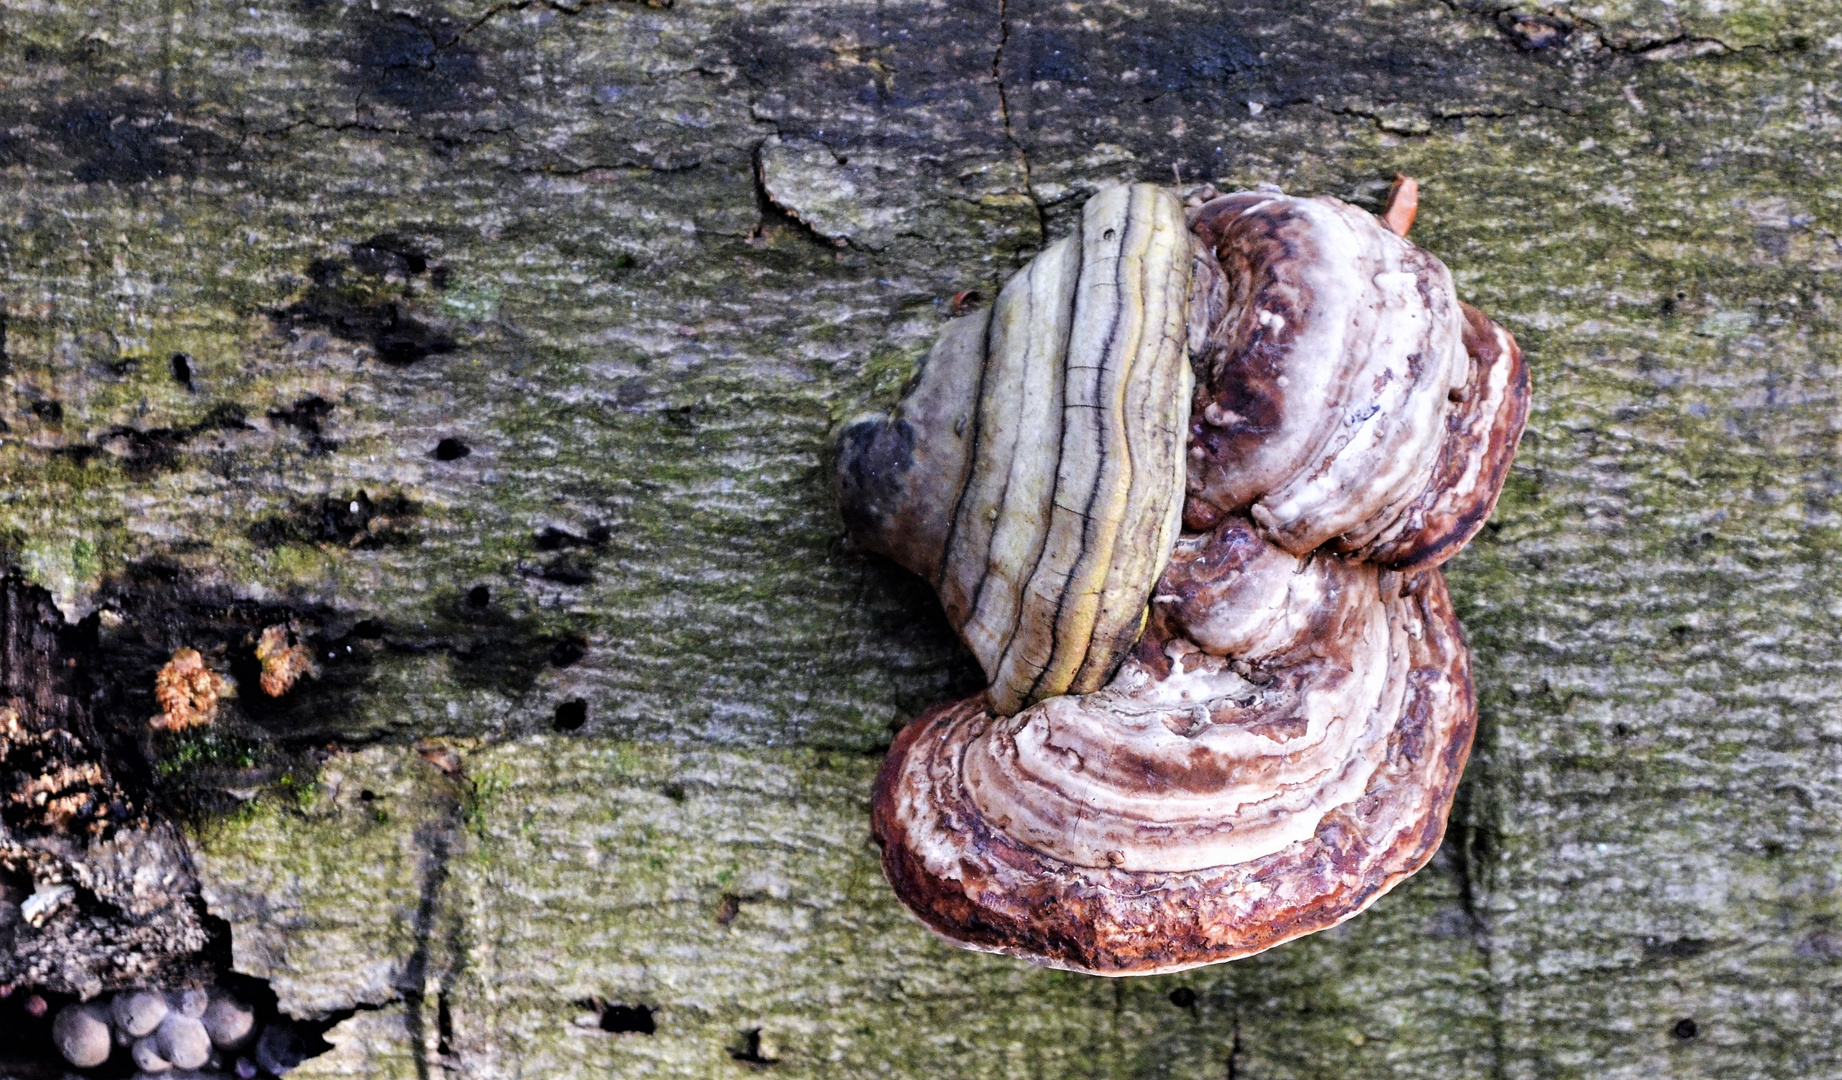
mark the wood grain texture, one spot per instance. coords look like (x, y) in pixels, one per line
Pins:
(597, 244)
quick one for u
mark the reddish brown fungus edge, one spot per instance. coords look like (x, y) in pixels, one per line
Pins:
(1006, 898)
(1451, 522)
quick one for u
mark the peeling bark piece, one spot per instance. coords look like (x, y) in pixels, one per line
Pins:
(1177, 892)
(1035, 473)
(1403, 205)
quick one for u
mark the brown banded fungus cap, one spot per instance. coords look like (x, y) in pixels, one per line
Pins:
(1184, 491)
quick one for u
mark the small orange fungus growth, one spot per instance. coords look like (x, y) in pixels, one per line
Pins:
(283, 654)
(63, 795)
(186, 691)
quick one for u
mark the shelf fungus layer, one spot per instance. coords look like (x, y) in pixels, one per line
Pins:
(1035, 473)
(1229, 699)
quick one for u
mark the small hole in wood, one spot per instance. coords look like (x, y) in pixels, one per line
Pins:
(567, 653)
(570, 715)
(751, 1051)
(451, 450)
(629, 1019)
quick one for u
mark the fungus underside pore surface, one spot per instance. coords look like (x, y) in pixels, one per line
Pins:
(259, 262)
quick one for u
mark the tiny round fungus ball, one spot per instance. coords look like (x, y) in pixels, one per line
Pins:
(139, 1012)
(228, 1022)
(182, 1041)
(189, 1002)
(81, 1033)
(147, 1057)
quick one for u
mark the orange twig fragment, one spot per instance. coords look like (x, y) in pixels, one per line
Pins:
(1403, 204)
(186, 691)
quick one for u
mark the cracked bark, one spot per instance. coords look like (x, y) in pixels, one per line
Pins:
(1004, 112)
(545, 233)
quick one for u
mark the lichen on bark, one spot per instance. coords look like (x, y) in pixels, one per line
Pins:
(260, 262)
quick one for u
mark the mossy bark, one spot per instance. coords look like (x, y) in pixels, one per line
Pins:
(638, 262)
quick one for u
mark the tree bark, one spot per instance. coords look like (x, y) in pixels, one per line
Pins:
(497, 349)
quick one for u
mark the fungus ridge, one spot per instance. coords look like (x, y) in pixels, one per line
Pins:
(1035, 473)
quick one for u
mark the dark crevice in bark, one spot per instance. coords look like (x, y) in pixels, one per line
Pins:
(76, 807)
(1004, 113)
(276, 1043)
(1471, 846)
(437, 842)
(560, 8)
(75, 726)
(97, 887)
(1405, 126)
(1680, 46)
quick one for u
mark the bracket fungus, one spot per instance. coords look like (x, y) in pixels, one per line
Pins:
(1184, 490)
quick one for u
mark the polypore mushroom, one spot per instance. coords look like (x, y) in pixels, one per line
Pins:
(1350, 398)
(1230, 701)
(1035, 474)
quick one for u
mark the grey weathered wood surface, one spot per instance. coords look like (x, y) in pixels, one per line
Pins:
(641, 260)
